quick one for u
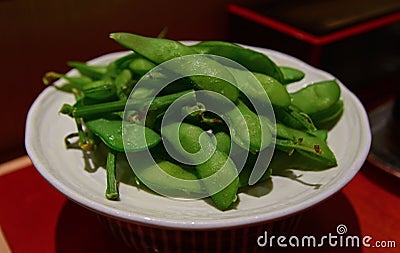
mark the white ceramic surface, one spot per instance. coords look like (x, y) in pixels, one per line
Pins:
(64, 169)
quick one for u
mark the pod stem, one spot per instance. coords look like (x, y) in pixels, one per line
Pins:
(112, 184)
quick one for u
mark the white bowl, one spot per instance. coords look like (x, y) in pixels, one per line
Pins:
(64, 169)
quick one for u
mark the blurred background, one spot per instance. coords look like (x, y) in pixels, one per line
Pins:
(39, 36)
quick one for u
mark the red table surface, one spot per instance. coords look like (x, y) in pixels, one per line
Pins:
(37, 218)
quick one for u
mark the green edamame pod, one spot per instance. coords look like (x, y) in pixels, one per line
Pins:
(189, 139)
(141, 65)
(250, 59)
(223, 142)
(159, 50)
(292, 140)
(207, 80)
(328, 118)
(99, 90)
(316, 97)
(206, 47)
(294, 118)
(111, 72)
(123, 84)
(321, 101)
(276, 92)
(120, 64)
(123, 62)
(156, 179)
(256, 128)
(291, 75)
(248, 169)
(320, 133)
(297, 160)
(220, 161)
(109, 129)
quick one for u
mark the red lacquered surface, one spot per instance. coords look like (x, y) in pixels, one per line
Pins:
(311, 38)
(316, 41)
(37, 218)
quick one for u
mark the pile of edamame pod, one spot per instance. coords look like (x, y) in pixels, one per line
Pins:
(106, 115)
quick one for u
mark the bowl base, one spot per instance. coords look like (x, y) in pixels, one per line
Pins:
(162, 240)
